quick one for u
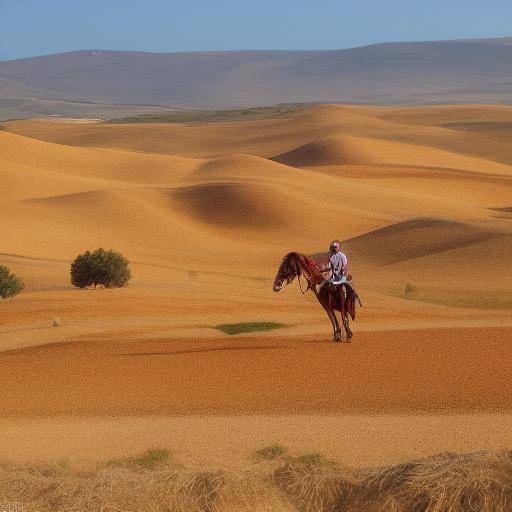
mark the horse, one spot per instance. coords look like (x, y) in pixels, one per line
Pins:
(331, 298)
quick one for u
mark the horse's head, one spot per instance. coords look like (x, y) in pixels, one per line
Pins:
(288, 270)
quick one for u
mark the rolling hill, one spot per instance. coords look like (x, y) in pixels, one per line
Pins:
(99, 83)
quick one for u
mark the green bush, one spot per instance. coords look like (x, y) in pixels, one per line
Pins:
(107, 268)
(10, 285)
(152, 458)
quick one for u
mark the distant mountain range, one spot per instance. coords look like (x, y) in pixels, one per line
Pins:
(109, 83)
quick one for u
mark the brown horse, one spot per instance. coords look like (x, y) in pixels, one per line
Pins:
(340, 298)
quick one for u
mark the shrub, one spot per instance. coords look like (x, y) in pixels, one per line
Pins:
(10, 285)
(107, 268)
(410, 290)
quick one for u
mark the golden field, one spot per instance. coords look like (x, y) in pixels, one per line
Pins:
(205, 212)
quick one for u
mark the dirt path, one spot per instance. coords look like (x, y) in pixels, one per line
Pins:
(438, 370)
(230, 441)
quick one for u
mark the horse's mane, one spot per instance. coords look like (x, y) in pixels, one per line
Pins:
(285, 264)
(309, 263)
(291, 254)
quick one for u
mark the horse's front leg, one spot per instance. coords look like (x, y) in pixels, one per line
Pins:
(346, 325)
(334, 321)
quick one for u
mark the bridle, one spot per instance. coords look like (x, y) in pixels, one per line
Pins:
(295, 273)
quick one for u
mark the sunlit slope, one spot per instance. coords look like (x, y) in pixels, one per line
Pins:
(346, 150)
(452, 252)
(251, 195)
(415, 239)
(93, 163)
(473, 130)
(440, 262)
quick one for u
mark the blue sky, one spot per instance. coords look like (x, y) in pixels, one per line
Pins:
(38, 27)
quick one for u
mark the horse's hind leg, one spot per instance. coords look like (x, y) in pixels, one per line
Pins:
(346, 325)
(338, 334)
(337, 328)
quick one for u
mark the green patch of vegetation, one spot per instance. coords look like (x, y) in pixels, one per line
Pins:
(312, 459)
(10, 285)
(240, 328)
(202, 116)
(150, 459)
(271, 452)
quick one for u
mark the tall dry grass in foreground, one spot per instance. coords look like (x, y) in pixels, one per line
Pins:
(479, 482)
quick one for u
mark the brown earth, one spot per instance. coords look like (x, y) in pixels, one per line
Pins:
(430, 370)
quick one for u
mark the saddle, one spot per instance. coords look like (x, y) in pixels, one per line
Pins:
(346, 287)
(321, 260)
(338, 279)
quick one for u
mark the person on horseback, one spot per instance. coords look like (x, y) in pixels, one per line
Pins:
(338, 264)
(323, 269)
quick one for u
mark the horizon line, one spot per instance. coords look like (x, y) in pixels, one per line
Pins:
(203, 52)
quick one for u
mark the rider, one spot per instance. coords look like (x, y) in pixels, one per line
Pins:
(337, 264)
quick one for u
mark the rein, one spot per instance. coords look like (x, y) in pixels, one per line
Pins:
(303, 267)
(300, 285)
(308, 280)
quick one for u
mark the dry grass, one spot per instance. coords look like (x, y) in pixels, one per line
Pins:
(446, 483)
(476, 482)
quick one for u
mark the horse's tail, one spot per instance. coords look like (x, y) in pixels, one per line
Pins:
(351, 298)
(351, 303)
(358, 299)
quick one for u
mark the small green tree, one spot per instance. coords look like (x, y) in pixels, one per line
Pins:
(10, 285)
(107, 268)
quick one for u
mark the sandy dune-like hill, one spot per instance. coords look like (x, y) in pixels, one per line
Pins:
(274, 136)
(343, 171)
(249, 209)
(417, 238)
(358, 151)
(91, 163)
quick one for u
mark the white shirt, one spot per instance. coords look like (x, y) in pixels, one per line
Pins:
(338, 262)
